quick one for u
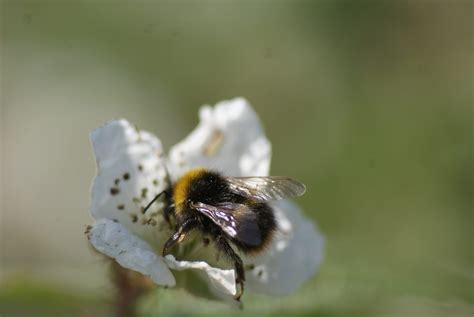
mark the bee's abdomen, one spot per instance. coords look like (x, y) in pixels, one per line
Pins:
(267, 225)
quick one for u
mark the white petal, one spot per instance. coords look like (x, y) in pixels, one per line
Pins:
(114, 240)
(292, 258)
(130, 173)
(229, 138)
(221, 281)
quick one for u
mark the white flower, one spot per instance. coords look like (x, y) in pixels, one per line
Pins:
(132, 170)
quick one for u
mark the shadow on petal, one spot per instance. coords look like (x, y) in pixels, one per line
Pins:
(293, 257)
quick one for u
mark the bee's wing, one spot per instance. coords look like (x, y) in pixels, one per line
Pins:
(236, 220)
(264, 188)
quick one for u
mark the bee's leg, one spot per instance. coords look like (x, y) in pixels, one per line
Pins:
(167, 212)
(223, 246)
(180, 234)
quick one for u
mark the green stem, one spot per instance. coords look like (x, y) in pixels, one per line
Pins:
(130, 286)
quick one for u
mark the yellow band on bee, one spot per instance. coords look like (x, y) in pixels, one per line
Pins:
(182, 185)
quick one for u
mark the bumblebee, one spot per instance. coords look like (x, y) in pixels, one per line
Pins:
(232, 211)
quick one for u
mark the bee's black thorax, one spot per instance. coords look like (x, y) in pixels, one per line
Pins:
(211, 188)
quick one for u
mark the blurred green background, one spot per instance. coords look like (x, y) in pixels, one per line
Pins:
(368, 103)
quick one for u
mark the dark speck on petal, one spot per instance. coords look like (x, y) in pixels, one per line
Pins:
(152, 222)
(114, 191)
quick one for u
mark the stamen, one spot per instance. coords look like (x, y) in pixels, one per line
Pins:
(214, 143)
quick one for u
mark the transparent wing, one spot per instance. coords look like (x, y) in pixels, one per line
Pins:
(266, 187)
(236, 220)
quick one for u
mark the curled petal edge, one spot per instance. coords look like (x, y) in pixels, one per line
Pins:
(116, 241)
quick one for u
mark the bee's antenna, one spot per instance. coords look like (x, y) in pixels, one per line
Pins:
(168, 180)
(152, 201)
